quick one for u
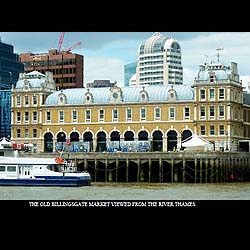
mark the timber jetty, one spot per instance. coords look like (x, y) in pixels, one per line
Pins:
(160, 167)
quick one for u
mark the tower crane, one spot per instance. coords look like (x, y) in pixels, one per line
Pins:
(60, 41)
(73, 46)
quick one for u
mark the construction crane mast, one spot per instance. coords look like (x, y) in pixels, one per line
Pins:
(60, 41)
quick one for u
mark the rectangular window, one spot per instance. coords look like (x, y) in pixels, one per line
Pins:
(211, 112)
(203, 130)
(48, 116)
(26, 133)
(222, 131)
(18, 133)
(221, 111)
(26, 100)
(187, 113)
(26, 117)
(11, 168)
(221, 94)
(61, 116)
(202, 94)
(129, 114)
(18, 101)
(115, 115)
(18, 117)
(88, 115)
(212, 130)
(34, 100)
(202, 112)
(157, 113)
(211, 95)
(143, 114)
(2, 168)
(34, 117)
(101, 115)
(34, 132)
(74, 116)
(171, 113)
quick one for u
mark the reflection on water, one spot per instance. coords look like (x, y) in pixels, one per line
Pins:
(131, 191)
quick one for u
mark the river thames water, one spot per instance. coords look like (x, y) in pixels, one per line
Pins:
(131, 191)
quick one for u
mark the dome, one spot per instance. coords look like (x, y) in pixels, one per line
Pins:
(154, 44)
(156, 93)
(35, 79)
(220, 71)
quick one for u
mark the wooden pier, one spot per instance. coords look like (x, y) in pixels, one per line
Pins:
(161, 167)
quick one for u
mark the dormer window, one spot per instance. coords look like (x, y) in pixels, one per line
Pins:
(26, 84)
(172, 96)
(89, 97)
(211, 77)
(62, 99)
(143, 95)
(116, 95)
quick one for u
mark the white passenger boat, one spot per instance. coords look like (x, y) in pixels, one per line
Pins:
(20, 171)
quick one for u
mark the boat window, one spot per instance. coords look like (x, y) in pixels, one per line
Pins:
(11, 168)
(55, 167)
(2, 168)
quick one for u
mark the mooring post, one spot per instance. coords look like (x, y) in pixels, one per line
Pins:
(160, 170)
(85, 165)
(149, 170)
(116, 169)
(201, 172)
(95, 169)
(138, 170)
(127, 164)
(106, 169)
(195, 170)
(183, 169)
(206, 166)
(172, 170)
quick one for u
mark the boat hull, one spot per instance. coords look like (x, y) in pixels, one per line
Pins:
(63, 182)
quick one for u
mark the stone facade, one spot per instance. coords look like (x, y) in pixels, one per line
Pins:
(162, 115)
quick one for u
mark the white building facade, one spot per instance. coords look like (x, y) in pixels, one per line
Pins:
(159, 61)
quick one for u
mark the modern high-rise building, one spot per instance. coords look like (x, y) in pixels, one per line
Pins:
(5, 113)
(67, 68)
(10, 67)
(159, 61)
(129, 71)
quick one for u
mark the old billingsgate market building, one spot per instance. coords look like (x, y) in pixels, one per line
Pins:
(142, 117)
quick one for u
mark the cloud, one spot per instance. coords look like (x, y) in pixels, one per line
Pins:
(189, 75)
(104, 68)
(102, 49)
(202, 49)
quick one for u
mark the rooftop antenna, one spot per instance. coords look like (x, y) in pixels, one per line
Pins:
(218, 53)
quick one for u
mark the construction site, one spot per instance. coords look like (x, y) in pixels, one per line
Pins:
(67, 67)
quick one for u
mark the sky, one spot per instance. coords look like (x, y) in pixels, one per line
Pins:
(106, 53)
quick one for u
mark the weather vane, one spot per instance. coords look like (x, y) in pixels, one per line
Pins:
(218, 53)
